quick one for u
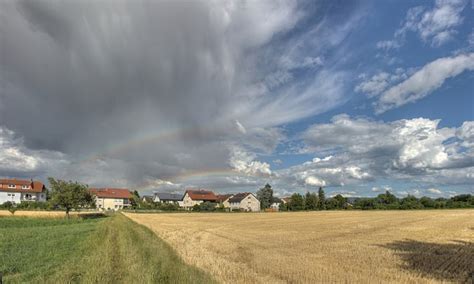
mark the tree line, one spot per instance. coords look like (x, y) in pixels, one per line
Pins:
(387, 200)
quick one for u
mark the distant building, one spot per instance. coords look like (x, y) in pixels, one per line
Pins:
(193, 197)
(147, 198)
(111, 198)
(18, 190)
(224, 199)
(275, 206)
(167, 197)
(244, 202)
(285, 200)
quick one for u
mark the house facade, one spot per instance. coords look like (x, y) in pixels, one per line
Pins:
(17, 191)
(224, 199)
(193, 197)
(111, 198)
(244, 202)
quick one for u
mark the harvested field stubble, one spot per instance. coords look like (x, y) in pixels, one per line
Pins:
(338, 246)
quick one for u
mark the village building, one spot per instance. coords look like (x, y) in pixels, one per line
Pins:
(275, 206)
(193, 197)
(224, 199)
(168, 197)
(244, 202)
(111, 198)
(147, 198)
(17, 191)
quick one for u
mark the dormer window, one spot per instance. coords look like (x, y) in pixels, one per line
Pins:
(11, 186)
(25, 186)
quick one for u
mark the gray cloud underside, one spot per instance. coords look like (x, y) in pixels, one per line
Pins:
(143, 91)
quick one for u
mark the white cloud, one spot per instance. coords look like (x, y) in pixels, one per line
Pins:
(381, 188)
(311, 180)
(245, 162)
(16, 158)
(437, 25)
(466, 134)
(380, 82)
(426, 80)
(434, 191)
(363, 149)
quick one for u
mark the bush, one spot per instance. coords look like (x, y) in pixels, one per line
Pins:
(205, 207)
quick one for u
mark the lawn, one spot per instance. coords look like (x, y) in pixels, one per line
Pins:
(106, 250)
(425, 246)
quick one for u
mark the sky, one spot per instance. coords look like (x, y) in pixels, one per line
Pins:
(357, 97)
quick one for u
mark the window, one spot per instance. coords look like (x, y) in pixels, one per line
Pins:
(9, 194)
(11, 186)
(25, 186)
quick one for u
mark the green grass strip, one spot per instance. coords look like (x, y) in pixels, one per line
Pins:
(107, 250)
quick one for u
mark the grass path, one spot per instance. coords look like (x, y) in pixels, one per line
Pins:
(107, 250)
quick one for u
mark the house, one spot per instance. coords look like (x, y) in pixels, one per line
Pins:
(275, 206)
(147, 198)
(244, 202)
(224, 199)
(17, 191)
(285, 200)
(193, 197)
(111, 198)
(167, 197)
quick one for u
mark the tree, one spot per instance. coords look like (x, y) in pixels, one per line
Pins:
(296, 202)
(311, 201)
(135, 200)
(265, 196)
(387, 198)
(69, 195)
(321, 199)
(9, 206)
(340, 201)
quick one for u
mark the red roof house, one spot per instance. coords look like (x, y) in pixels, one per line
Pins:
(111, 198)
(19, 190)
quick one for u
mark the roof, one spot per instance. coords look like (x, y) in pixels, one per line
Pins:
(169, 196)
(111, 192)
(286, 199)
(223, 197)
(35, 186)
(204, 195)
(239, 197)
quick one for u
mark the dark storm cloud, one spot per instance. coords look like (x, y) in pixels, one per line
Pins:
(131, 90)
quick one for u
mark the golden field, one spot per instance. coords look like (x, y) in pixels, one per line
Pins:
(328, 246)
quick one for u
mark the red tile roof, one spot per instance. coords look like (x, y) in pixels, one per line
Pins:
(35, 186)
(205, 195)
(111, 192)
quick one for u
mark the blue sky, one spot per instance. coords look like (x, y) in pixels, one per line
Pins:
(356, 96)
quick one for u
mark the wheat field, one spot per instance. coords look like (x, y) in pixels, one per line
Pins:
(330, 246)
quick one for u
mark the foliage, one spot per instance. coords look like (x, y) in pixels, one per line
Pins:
(265, 196)
(205, 207)
(69, 195)
(390, 201)
(296, 202)
(337, 202)
(311, 201)
(321, 199)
